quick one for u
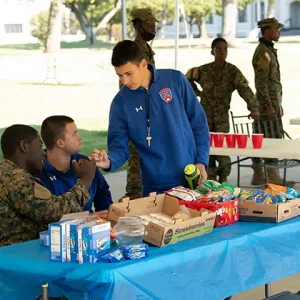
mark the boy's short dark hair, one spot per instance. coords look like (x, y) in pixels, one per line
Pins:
(216, 41)
(13, 135)
(126, 51)
(53, 128)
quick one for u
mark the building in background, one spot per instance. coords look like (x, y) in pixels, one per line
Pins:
(15, 16)
(286, 11)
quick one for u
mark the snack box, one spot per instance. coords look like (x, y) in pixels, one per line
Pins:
(201, 222)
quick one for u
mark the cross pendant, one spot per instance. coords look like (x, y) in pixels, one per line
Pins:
(148, 138)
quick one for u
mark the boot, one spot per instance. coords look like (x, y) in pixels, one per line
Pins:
(258, 177)
(274, 177)
(222, 179)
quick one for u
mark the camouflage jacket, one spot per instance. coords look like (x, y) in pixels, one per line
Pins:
(218, 84)
(27, 207)
(267, 75)
(147, 51)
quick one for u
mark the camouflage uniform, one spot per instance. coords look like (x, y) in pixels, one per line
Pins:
(218, 84)
(134, 186)
(27, 207)
(267, 81)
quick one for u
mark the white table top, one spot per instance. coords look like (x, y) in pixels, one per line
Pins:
(271, 148)
(295, 121)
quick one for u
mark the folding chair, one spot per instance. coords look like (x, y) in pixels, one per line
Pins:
(270, 129)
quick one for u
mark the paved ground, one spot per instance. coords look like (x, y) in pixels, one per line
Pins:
(292, 283)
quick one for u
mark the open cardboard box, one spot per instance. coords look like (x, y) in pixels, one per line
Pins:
(201, 222)
(270, 213)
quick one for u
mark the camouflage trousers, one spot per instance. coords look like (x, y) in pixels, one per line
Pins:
(134, 186)
(218, 122)
(270, 129)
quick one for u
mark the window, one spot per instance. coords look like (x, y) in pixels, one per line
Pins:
(262, 10)
(242, 15)
(255, 12)
(210, 20)
(13, 28)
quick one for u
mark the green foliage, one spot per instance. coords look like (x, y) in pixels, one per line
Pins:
(40, 24)
(197, 8)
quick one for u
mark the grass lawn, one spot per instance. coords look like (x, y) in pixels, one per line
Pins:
(91, 139)
(63, 45)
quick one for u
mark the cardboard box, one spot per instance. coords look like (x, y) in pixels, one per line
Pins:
(93, 239)
(72, 237)
(58, 240)
(251, 211)
(201, 222)
(44, 238)
(226, 212)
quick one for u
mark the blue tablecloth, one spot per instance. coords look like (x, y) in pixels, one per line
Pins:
(227, 261)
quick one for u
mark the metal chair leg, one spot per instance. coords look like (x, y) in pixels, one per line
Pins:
(284, 173)
(267, 290)
(266, 175)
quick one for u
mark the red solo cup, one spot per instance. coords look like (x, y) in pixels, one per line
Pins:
(210, 138)
(257, 140)
(241, 139)
(218, 139)
(230, 140)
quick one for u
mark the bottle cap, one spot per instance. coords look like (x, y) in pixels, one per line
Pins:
(189, 169)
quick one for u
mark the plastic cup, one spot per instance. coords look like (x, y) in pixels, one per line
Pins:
(241, 139)
(230, 140)
(218, 139)
(257, 140)
(210, 138)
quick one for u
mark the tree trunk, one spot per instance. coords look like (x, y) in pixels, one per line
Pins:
(271, 8)
(109, 31)
(229, 20)
(202, 27)
(54, 27)
(91, 25)
(82, 18)
(108, 17)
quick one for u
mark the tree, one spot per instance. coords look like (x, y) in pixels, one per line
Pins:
(40, 26)
(198, 11)
(93, 12)
(163, 10)
(270, 12)
(229, 14)
(229, 20)
(54, 27)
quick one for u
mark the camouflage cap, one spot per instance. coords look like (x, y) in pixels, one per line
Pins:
(144, 14)
(270, 22)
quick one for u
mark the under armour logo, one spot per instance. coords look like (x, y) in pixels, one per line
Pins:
(139, 108)
(53, 178)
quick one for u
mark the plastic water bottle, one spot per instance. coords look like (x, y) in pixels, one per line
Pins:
(192, 175)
